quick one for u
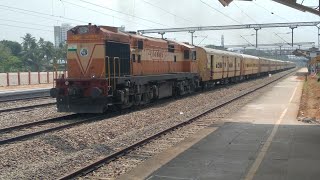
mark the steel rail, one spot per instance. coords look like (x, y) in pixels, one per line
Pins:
(95, 165)
(26, 107)
(26, 125)
(26, 136)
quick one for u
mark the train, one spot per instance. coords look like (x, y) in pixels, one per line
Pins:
(111, 69)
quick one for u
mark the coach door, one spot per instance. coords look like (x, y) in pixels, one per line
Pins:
(117, 59)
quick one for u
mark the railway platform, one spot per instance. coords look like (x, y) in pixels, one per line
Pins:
(24, 92)
(24, 87)
(263, 140)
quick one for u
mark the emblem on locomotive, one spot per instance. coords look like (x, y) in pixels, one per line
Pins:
(84, 52)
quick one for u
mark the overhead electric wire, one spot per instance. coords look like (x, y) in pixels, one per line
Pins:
(221, 12)
(22, 22)
(166, 11)
(282, 38)
(245, 13)
(278, 15)
(29, 14)
(120, 12)
(36, 12)
(105, 13)
(25, 27)
(270, 11)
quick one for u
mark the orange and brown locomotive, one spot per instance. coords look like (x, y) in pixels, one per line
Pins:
(107, 67)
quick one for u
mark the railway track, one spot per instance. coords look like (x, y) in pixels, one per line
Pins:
(16, 133)
(107, 159)
(26, 107)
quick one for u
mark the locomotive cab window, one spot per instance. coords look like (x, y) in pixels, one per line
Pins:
(133, 58)
(170, 48)
(140, 44)
(186, 54)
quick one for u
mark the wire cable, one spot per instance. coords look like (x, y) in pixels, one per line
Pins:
(220, 12)
(97, 5)
(22, 22)
(166, 11)
(9, 7)
(105, 13)
(25, 27)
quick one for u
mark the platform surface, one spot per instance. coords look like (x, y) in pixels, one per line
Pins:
(22, 88)
(263, 140)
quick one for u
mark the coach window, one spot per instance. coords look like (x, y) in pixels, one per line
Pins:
(170, 48)
(140, 44)
(194, 55)
(186, 54)
(175, 59)
(133, 58)
(139, 58)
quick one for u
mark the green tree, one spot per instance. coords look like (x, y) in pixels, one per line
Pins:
(47, 52)
(32, 54)
(8, 62)
(15, 47)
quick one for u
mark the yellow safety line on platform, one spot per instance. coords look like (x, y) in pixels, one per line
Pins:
(264, 149)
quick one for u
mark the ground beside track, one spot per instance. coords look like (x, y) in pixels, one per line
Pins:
(54, 154)
(263, 140)
(309, 111)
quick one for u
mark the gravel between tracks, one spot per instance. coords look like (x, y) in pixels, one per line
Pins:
(15, 118)
(55, 154)
(23, 103)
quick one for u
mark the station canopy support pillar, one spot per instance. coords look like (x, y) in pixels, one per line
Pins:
(292, 27)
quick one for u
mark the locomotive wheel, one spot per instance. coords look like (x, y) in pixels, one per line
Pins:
(137, 99)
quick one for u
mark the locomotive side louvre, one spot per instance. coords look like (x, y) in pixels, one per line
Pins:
(117, 58)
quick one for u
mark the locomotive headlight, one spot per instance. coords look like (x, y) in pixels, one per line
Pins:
(66, 83)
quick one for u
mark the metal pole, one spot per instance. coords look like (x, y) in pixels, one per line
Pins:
(292, 37)
(318, 37)
(256, 38)
(191, 36)
(292, 34)
(280, 50)
(161, 33)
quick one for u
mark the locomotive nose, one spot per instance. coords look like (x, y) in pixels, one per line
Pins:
(74, 91)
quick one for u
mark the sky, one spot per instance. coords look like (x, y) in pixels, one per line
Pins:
(38, 17)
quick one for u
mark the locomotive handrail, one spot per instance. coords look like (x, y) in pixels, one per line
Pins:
(117, 58)
(109, 75)
(114, 73)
